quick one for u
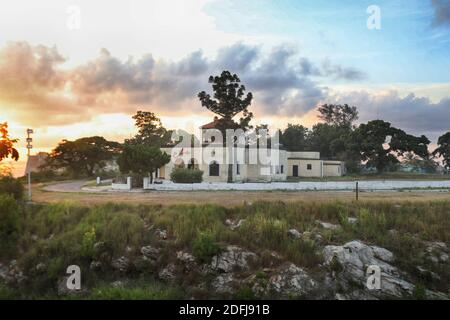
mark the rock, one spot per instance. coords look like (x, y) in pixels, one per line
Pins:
(291, 280)
(436, 252)
(294, 233)
(393, 232)
(161, 234)
(187, 259)
(34, 237)
(232, 258)
(117, 284)
(63, 290)
(95, 265)
(121, 264)
(433, 295)
(150, 252)
(224, 283)
(352, 220)
(354, 257)
(40, 267)
(128, 249)
(425, 273)
(327, 225)
(168, 273)
(234, 225)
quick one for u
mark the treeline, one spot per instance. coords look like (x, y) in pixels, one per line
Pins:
(376, 144)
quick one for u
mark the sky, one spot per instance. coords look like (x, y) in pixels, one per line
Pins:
(78, 68)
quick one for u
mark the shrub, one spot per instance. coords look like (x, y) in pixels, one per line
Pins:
(204, 247)
(11, 186)
(10, 222)
(182, 175)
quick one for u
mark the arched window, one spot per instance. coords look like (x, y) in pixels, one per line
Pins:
(214, 169)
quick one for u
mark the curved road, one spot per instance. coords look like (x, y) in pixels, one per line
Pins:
(67, 186)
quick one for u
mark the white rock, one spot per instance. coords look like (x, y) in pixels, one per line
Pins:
(150, 252)
(168, 273)
(327, 225)
(291, 280)
(233, 257)
(224, 283)
(294, 233)
(354, 257)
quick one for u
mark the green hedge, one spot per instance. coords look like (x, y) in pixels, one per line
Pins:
(182, 175)
(11, 186)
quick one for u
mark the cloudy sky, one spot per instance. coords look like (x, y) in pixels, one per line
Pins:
(76, 68)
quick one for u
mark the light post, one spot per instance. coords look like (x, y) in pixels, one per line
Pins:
(29, 147)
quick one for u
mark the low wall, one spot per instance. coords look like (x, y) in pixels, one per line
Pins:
(122, 186)
(326, 185)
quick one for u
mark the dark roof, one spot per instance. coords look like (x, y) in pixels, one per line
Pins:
(221, 123)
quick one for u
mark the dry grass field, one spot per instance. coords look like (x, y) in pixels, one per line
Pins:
(232, 198)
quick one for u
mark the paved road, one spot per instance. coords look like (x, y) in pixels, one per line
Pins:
(67, 186)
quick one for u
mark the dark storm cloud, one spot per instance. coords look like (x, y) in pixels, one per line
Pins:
(283, 82)
(417, 115)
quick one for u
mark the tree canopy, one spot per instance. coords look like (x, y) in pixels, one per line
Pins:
(150, 130)
(141, 159)
(338, 115)
(7, 144)
(381, 144)
(443, 149)
(229, 98)
(83, 155)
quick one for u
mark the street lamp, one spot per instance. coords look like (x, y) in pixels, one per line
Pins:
(29, 147)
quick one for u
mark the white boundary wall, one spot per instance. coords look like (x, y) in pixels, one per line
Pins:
(122, 186)
(326, 185)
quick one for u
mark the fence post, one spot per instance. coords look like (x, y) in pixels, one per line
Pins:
(357, 191)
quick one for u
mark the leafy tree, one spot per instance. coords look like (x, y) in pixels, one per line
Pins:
(338, 115)
(83, 155)
(380, 144)
(7, 144)
(329, 140)
(295, 137)
(228, 98)
(150, 130)
(427, 164)
(443, 149)
(141, 159)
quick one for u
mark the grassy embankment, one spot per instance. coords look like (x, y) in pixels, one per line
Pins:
(58, 235)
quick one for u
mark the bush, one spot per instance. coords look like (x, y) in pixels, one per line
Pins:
(11, 186)
(204, 247)
(10, 222)
(182, 175)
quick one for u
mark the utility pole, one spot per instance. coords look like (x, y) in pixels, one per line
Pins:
(29, 147)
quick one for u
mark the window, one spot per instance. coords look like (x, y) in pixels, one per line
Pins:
(238, 169)
(282, 169)
(309, 166)
(214, 169)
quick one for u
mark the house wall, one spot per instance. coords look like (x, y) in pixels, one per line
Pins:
(256, 172)
(333, 169)
(303, 171)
